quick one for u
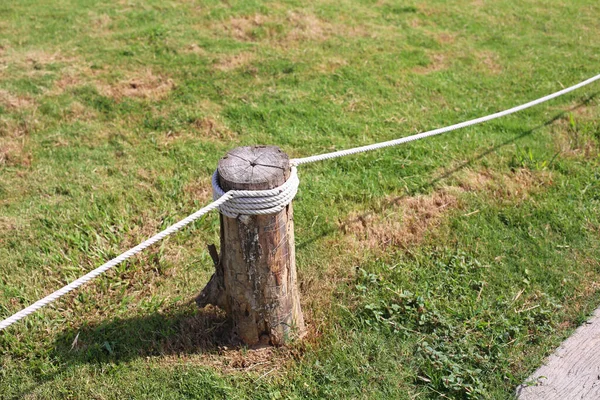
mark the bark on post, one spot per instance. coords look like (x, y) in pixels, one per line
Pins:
(255, 278)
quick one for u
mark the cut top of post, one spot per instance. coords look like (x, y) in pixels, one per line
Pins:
(253, 168)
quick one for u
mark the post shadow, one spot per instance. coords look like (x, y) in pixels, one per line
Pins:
(179, 330)
(175, 331)
(450, 172)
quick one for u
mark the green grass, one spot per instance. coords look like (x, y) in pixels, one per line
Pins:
(478, 251)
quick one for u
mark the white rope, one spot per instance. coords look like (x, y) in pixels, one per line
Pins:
(115, 261)
(232, 203)
(257, 202)
(260, 202)
(395, 142)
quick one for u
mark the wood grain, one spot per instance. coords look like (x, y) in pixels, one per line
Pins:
(258, 254)
(572, 372)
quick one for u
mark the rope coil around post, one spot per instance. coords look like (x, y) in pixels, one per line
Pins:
(256, 202)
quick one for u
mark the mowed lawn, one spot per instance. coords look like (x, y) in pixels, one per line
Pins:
(445, 268)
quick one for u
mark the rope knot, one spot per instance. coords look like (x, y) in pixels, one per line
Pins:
(255, 202)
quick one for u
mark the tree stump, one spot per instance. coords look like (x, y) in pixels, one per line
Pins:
(255, 277)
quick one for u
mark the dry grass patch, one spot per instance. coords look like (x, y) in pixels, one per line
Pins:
(233, 360)
(231, 62)
(437, 62)
(515, 187)
(101, 21)
(242, 28)
(429, 10)
(40, 57)
(79, 112)
(213, 128)
(331, 65)
(293, 28)
(445, 38)
(15, 102)
(195, 49)
(8, 224)
(144, 226)
(308, 27)
(145, 85)
(73, 76)
(587, 111)
(569, 140)
(32, 63)
(590, 286)
(320, 283)
(197, 337)
(489, 62)
(404, 221)
(68, 80)
(200, 189)
(415, 23)
(13, 153)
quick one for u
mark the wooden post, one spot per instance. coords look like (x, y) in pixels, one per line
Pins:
(255, 278)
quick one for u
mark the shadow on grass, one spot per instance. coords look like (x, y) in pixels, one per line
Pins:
(175, 331)
(179, 330)
(447, 174)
